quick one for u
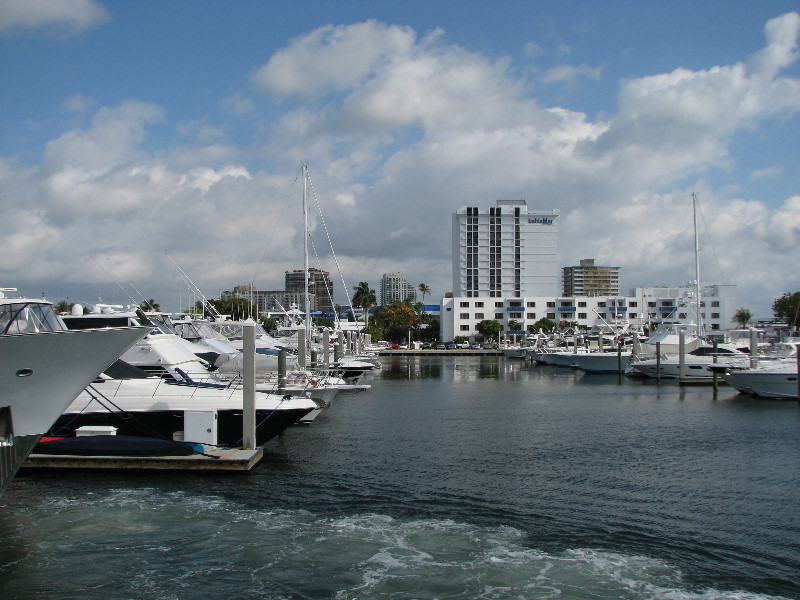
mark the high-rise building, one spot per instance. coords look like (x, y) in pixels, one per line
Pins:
(395, 286)
(589, 279)
(271, 300)
(505, 252)
(319, 284)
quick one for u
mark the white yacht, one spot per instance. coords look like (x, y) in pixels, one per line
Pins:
(172, 409)
(773, 376)
(696, 363)
(44, 367)
(775, 379)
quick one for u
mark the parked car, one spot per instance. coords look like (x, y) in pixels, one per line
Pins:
(451, 346)
(440, 346)
(463, 345)
(475, 346)
(426, 345)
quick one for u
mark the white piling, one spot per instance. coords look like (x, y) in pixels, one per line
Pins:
(249, 386)
(301, 349)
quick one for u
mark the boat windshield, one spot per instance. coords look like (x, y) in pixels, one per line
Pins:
(206, 331)
(232, 330)
(28, 317)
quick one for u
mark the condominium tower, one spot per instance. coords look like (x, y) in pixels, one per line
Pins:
(505, 252)
(589, 279)
(319, 284)
(395, 286)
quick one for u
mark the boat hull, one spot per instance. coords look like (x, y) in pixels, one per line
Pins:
(42, 373)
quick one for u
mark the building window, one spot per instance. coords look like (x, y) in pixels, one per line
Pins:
(651, 304)
(464, 305)
(531, 304)
(581, 315)
(479, 305)
(633, 304)
(515, 315)
(498, 304)
(599, 304)
(463, 316)
(633, 315)
(681, 315)
(715, 304)
(464, 328)
(551, 305)
(551, 315)
(531, 315)
(715, 315)
(582, 304)
(479, 315)
(498, 316)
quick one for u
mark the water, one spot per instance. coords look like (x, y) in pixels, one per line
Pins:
(451, 478)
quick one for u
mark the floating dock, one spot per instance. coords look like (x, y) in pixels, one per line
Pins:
(212, 459)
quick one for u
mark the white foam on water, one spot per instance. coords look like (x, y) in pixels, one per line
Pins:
(177, 542)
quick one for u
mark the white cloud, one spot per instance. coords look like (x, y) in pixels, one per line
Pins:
(333, 57)
(69, 17)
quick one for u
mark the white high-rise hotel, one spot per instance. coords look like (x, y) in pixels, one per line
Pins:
(505, 252)
(505, 268)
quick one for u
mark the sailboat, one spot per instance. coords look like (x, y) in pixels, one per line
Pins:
(673, 338)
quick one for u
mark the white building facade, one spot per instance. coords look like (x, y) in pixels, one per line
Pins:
(507, 251)
(395, 286)
(643, 306)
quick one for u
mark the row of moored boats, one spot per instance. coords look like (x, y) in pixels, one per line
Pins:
(115, 382)
(738, 358)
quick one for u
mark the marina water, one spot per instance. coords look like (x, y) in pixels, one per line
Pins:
(453, 477)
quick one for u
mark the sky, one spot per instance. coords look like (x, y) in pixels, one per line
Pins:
(139, 140)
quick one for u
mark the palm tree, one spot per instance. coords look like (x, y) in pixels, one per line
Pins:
(364, 298)
(424, 289)
(743, 317)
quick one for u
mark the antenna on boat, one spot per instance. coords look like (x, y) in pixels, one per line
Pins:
(194, 289)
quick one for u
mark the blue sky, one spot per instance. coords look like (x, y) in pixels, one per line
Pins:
(135, 130)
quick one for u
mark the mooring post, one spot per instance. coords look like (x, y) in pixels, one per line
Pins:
(326, 347)
(249, 385)
(658, 362)
(714, 371)
(281, 371)
(681, 355)
(301, 349)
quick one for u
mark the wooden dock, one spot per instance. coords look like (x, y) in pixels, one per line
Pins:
(213, 459)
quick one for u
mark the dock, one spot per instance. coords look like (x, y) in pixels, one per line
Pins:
(213, 459)
(452, 352)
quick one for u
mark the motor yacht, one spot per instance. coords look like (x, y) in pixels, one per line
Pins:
(44, 367)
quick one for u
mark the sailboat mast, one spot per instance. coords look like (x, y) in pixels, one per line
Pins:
(697, 269)
(305, 253)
